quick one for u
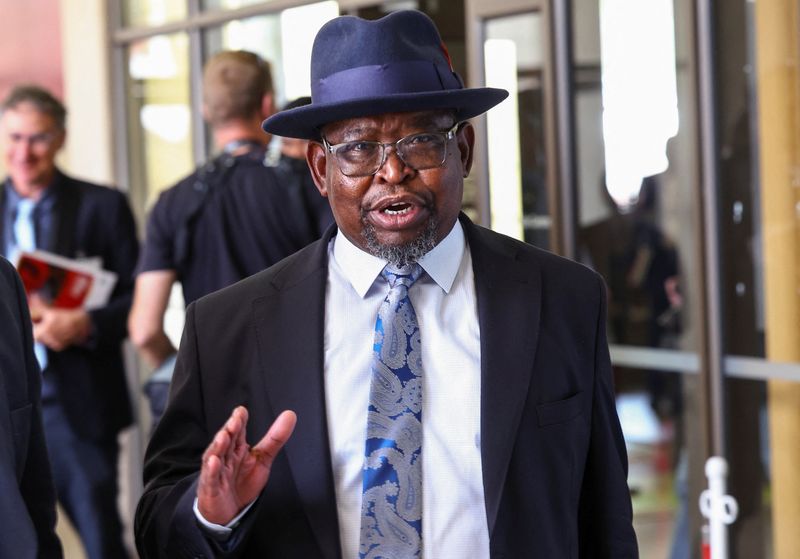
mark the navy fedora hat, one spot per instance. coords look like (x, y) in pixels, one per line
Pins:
(397, 63)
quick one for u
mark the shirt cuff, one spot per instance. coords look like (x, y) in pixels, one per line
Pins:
(218, 530)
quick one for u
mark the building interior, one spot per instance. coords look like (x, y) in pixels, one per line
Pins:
(655, 141)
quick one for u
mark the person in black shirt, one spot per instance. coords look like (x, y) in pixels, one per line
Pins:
(292, 162)
(229, 219)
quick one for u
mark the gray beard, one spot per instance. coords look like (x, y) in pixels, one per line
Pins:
(401, 256)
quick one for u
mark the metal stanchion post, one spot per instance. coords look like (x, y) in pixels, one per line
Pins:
(720, 509)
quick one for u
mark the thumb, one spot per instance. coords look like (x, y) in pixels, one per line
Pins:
(279, 432)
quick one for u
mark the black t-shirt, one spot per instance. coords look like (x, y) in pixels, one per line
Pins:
(226, 221)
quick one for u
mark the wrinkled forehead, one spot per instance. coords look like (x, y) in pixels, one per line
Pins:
(418, 120)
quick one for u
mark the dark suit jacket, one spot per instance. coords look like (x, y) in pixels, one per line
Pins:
(94, 222)
(554, 461)
(27, 496)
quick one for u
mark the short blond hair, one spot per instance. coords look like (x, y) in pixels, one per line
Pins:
(234, 84)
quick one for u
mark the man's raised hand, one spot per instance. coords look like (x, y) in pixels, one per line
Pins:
(233, 474)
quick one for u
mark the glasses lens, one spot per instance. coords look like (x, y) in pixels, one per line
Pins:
(420, 151)
(359, 158)
(423, 151)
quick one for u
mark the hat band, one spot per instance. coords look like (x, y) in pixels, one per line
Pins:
(413, 76)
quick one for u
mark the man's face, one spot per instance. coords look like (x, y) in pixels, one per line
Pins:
(397, 206)
(30, 141)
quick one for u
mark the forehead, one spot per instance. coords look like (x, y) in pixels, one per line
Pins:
(389, 122)
(26, 116)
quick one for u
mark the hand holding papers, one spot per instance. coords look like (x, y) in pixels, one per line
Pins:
(65, 283)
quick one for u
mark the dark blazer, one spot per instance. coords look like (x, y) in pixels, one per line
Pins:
(554, 461)
(92, 221)
(27, 496)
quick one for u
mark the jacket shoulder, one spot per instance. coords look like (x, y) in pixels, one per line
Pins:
(94, 191)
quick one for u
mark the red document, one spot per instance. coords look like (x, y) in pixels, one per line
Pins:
(64, 282)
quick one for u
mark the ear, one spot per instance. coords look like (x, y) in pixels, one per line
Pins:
(267, 105)
(466, 142)
(317, 160)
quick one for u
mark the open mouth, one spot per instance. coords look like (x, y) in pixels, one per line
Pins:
(397, 209)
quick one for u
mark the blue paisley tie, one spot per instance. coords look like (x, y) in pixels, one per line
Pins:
(391, 508)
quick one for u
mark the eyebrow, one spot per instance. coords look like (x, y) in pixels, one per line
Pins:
(420, 121)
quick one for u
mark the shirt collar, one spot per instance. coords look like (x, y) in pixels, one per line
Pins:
(45, 201)
(361, 268)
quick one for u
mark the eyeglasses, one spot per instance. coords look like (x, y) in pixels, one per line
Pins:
(419, 151)
(40, 140)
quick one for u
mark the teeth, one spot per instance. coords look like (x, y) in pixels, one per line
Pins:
(403, 210)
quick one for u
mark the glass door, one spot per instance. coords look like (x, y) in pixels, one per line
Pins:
(509, 50)
(595, 157)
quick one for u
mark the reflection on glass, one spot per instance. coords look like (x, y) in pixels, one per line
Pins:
(141, 13)
(513, 61)
(159, 114)
(640, 114)
(505, 198)
(640, 264)
(637, 171)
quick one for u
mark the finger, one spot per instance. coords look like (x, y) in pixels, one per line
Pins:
(235, 427)
(218, 447)
(279, 432)
(240, 438)
(209, 484)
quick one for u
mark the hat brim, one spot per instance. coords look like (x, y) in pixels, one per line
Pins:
(306, 122)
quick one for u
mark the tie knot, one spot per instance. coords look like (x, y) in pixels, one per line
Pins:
(407, 275)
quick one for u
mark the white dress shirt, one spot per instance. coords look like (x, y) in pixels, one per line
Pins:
(453, 514)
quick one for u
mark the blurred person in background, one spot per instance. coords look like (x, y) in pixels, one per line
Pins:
(230, 218)
(85, 400)
(292, 164)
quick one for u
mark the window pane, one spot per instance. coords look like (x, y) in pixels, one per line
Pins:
(637, 175)
(159, 113)
(229, 4)
(141, 13)
(518, 195)
(637, 168)
(284, 39)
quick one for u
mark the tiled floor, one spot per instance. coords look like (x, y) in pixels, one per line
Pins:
(650, 476)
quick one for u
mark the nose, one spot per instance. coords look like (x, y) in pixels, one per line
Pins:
(393, 169)
(23, 148)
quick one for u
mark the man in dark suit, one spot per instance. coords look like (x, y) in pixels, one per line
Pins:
(28, 505)
(85, 400)
(474, 418)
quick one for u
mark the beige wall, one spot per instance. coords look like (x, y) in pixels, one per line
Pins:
(31, 51)
(63, 45)
(87, 90)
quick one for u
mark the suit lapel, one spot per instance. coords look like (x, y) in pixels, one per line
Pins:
(509, 297)
(508, 309)
(65, 218)
(290, 331)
